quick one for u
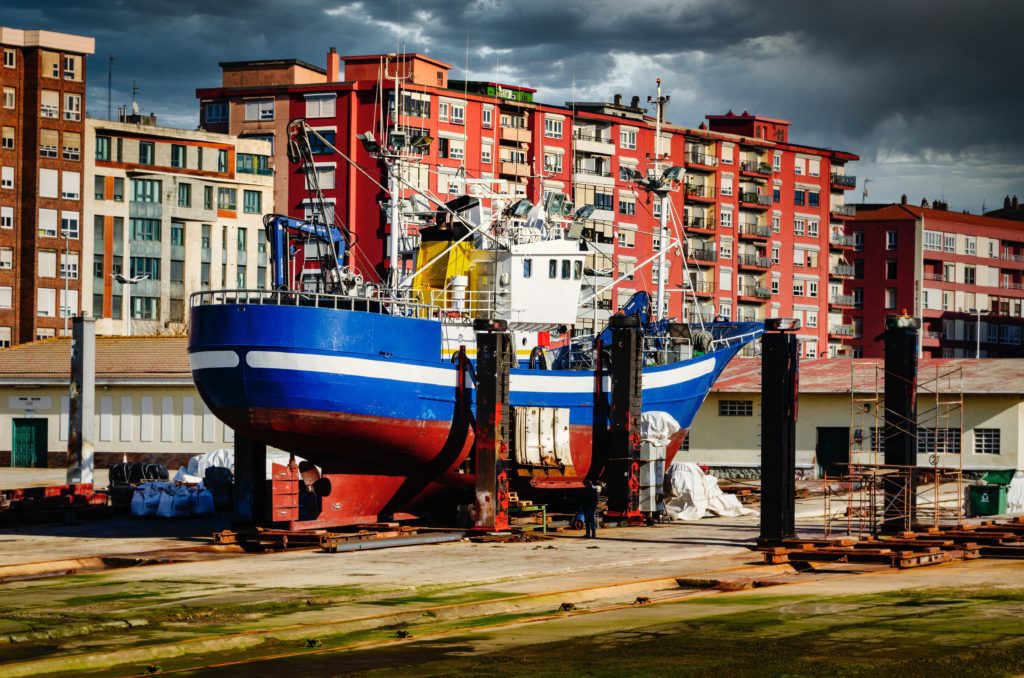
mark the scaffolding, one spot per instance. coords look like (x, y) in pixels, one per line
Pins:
(870, 492)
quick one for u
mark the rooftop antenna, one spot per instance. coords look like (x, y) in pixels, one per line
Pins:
(110, 80)
(864, 195)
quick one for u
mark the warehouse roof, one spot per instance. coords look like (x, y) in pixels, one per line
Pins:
(999, 376)
(126, 359)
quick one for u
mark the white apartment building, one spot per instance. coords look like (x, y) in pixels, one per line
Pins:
(180, 210)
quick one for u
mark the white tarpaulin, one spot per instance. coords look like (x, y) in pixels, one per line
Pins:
(691, 494)
(1015, 494)
(658, 427)
(225, 457)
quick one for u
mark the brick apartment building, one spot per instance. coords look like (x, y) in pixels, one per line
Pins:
(183, 208)
(42, 119)
(761, 218)
(962, 274)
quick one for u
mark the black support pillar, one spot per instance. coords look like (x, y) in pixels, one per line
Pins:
(901, 343)
(250, 507)
(780, 358)
(623, 466)
(490, 450)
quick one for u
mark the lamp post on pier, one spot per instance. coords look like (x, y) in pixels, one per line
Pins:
(978, 312)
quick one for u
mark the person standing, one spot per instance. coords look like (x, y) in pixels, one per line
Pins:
(591, 494)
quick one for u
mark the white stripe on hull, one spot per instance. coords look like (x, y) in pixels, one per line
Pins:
(435, 376)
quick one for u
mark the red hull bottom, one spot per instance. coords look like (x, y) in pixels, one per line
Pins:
(374, 468)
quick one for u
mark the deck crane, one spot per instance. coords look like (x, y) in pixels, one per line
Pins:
(333, 243)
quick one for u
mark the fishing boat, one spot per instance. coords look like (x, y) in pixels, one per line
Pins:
(373, 382)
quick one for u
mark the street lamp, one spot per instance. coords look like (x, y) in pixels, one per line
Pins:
(128, 282)
(977, 329)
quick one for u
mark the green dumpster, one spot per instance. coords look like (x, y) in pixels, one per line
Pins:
(988, 500)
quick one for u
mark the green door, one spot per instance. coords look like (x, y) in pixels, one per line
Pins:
(833, 450)
(29, 443)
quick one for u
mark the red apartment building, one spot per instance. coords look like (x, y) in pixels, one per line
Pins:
(761, 218)
(962, 274)
(43, 122)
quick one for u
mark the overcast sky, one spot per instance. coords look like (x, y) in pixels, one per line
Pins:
(927, 92)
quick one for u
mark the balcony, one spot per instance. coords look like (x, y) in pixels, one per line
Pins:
(841, 241)
(747, 317)
(755, 199)
(840, 330)
(591, 171)
(756, 167)
(599, 176)
(843, 181)
(515, 169)
(840, 271)
(517, 135)
(700, 192)
(700, 159)
(754, 261)
(844, 211)
(702, 256)
(703, 288)
(938, 277)
(1007, 285)
(755, 292)
(755, 231)
(841, 301)
(706, 224)
(591, 142)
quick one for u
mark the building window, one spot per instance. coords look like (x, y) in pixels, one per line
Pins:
(6, 217)
(69, 265)
(948, 242)
(442, 111)
(118, 189)
(252, 202)
(6, 298)
(320, 105)
(48, 142)
(145, 229)
(799, 197)
(145, 190)
(488, 117)
(798, 288)
(987, 441)
(890, 240)
(735, 408)
(72, 107)
(227, 198)
(222, 160)
(177, 234)
(485, 154)
(627, 207)
(812, 199)
(10, 59)
(8, 137)
(627, 139)
(458, 114)
(145, 308)
(146, 153)
(6, 177)
(71, 67)
(320, 146)
(259, 109)
(799, 226)
(177, 155)
(970, 275)
(553, 128)
(724, 218)
(147, 266)
(216, 111)
(241, 238)
(69, 224)
(971, 245)
(6, 257)
(858, 240)
(184, 195)
(890, 297)
(812, 288)
(103, 148)
(553, 162)
(9, 97)
(890, 269)
(208, 197)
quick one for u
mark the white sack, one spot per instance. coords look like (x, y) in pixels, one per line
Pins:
(1015, 494)
(690, 494)
(658, 427)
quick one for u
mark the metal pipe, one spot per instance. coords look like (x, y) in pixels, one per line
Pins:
(416, 540)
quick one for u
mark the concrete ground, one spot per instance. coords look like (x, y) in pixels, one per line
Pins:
(455, 603)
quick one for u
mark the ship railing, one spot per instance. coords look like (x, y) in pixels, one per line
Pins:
(465, 303)
(401, 304)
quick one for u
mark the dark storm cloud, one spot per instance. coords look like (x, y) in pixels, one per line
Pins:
(923, 90)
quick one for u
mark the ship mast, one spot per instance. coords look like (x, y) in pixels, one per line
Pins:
(394, 167)
(662, 194)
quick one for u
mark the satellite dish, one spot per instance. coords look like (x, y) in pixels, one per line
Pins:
(135, 108)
